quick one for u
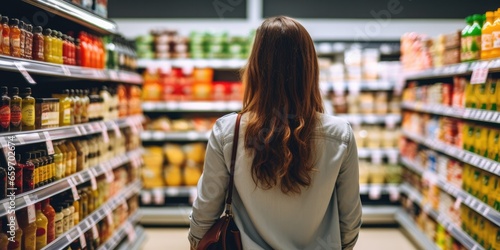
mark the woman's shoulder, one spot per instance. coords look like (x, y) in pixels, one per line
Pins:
(334, 127)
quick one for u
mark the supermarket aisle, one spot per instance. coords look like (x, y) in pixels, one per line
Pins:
(370, 238)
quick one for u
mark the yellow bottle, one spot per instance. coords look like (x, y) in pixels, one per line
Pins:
(495, 31)
(72, 149)
(29, 230)
(58, 162)
(493, 141)
(76, 214)
(481, 96)
(41, 230)
(481, 140)
(4, 238)
(492, 95)
(16, 244)
(66, 158)
(486, 36)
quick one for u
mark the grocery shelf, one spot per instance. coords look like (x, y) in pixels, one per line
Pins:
(381, 188)
(484, 209)
(458, 153)
(86, 224)
(186, 191)
(39, 194)
(160, 136)
(457, 112)
(25, 66)
(126, 229)
(371, 118)
(195, 106)
(464, 68)
(414, 233)
(135, 245)
(455, 231)
(76, 14)
(363, 85)
(383, 152)
(54, 134)
(378, 214)
(197, 63)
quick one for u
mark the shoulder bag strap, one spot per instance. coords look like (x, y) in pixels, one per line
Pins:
(230, 185)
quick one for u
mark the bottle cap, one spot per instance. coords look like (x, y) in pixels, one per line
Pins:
(14, 21)
(15, 90)
(38, 29)
(27, 91)
(3, 89)
(47, 32)
(29, 27)
(5, 19)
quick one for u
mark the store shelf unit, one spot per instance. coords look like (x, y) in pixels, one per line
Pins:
(195, 106)
(231, 64)
(73, 234)
(76, 14)
(125, 230)
(464, 197)
(371, 118)
(458, 153)
(384, 152)
(39, 194)
(159, 136)
(455, 231)
(457, 112)
(411, 230)
(73, 131)
(136, 244)
(464, 68)
(24, 66)
(364, 85)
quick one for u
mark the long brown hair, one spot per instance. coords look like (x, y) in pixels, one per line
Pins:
(283, 99)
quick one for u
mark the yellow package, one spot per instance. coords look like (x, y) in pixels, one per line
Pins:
(486, 188)
(481, 95)
(469, 135)
(481, 233)
(173, 176)
(495, 238)
(476, 182)
(480, 140)
(493, 144)
(470, 98)
(495, 202)
(493, 94)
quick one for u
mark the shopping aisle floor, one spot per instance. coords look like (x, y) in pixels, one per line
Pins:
(369, 239)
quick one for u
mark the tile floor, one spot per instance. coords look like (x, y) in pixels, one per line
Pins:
(369, 239)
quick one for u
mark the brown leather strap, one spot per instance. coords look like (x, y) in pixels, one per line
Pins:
(230, 185)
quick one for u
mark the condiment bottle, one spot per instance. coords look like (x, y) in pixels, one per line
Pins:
(81, 153)
(29, 230)
(59, 221)
(22, 41)
(67, 158)
(4, 111)
(38, 44)
(50, 213)
(5, 36)
(85, 105)
(72, 149)
(28, 44)
(48, 45)
(67, 214)
(76, 213)
(71, 214)
(36, 172)
(78, 53)
(72, 54)
(65, 110)
(28, 113)
(41, 168)
(15, 38)
(77, 111)
(84, 212)
(17, 243)
(60, 47)
(15, 110)
(4, 238)
(58, 161)
(41, 230)
(28, 172)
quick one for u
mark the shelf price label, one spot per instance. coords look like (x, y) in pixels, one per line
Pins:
(131, 234)
(95, 233)
(105, 135)
(48, 141)
(31, 209)
(24, 72)
(375, 192)
(83, 242)
(66, 70)
(74, 191)
(479, 75)
(93, 181)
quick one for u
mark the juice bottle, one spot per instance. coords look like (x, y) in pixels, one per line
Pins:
(38, 44)
(71, 218)
(50, 213)
(64, 108)
(15, 110)
(58, 221)
(491, 94)
(4, 111)
(474, 38)
(28, 113)
(5, 36)
(60, 45)
(465, 41)
(29, 230)
(41, 230)
(55, 46)
(66, 158)
(15, 38)
(481, 95)
(486, 187)
(476, 182)
(76, 214)
(486, 36)
(495, 51)
(58, 162)
(48, 45)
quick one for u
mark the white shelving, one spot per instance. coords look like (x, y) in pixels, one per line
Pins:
(160, 136)
(458, 153)
(195, 106)
(125, 230)
(441, 218)
(232, 64)
(371, 118)
(135, 245)
(414, 232)
(457, 112)
(464, 68)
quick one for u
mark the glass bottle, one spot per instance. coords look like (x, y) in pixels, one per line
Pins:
(41, 230)
(76, 213)
(5, 36)
(4, 111)
(85, 105)
(15, 110)
(65, 49)
(28, 44)
(22, 40)
(66, 219)
(50, 213)
(60, 47)
(15, 38)
(72, 149)
(77, 111)
(28, 113)
(67, 158)
(48, 45)
(65, 111)
(38, 44)
(59, 221)
(58, 161)
(28, 172)
(18, 239)
(19, 168)
(29, 229)
(78, 53)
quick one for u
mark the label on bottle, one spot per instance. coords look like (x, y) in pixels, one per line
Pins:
(41, 237)
(53, 119)
(66, 223)
(475, 47)
(486, 41)
(16, 43)
(496, 39)
(28, 115)
(41, 173)
(59, 170)
(15, 115)
(59, 227)
(67, 116)
(6, 43)
(5, 116)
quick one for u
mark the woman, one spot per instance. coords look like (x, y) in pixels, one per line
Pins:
(296, 175)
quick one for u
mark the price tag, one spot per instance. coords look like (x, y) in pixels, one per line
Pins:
(66, 70)
(31, 209)
(124, 204)
(394, 193)
(83, 242)
(74, 191)
(24, 72)
(83, 129)
(118, 133)
(159, 196)
(489, 115)
(146, 197)
(93, 181)
(132, 126)
(48, 141)
(105, 135)
(131, 234)
(109, 217)
(108, 172)
(486, 211)
(457, 203)
(376, 157)
(113, 75)
(77, 130)
(375, 192)
(95, 233)
(135, 163)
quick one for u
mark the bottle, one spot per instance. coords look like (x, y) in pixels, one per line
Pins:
(78, 53)
(18, 239)
(71, 214)
(38, 44)
(60, 47)
(4, 111)
(19, 178)
(5, 36)
(495, 31)
(15, 38)
(59, 221)
(71, 54)
(48, 45)
(73, 108)
(65, 50)
(29, 230)
(55, 46)
(28, 113)
(28, 172)
(36, 173)
(3, 183)
(84, 212)
(77, 111)
(474, 38)
(4, 238)
(81, 153)
(85, 105)
(59, 162)
(65, 111)
(67, 214)
(465, 41)
(76, 213)
(15, 110)
(22, 41)
(50, 213)
(106, 102)
(28, 44)
(72, 149)
(95, 107)
(67, 158)
(41, 168)
(41, 230)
